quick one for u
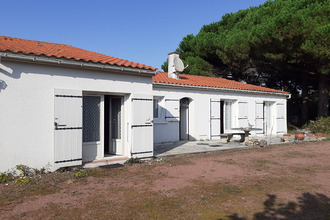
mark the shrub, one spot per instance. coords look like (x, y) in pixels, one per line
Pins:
(321, 125)
(25, 171)
(5, 177)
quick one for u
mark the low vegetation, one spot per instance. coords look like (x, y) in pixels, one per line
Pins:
(321, 125)
(287, 181)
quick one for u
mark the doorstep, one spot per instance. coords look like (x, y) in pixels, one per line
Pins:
(106, 161)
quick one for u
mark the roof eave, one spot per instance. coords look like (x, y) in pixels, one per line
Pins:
(218, 88)
(75, 63)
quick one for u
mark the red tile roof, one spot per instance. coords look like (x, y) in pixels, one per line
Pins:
(203, 81)
(17, 45)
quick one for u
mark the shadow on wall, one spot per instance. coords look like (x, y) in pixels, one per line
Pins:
(3, 85)
(308, 207)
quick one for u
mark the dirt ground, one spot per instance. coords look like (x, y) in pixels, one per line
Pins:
(278, 182)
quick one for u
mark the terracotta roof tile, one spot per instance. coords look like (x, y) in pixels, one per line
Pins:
(17, 45)
(203, 81)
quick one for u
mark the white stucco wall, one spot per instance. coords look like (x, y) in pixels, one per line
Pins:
(27, 106)
(199, 110)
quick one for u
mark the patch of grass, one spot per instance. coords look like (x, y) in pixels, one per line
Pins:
(178, 161)
(205, 198)
(297, 154)
(227, 161)
(261, 164)
(231, 189)
(303, 170)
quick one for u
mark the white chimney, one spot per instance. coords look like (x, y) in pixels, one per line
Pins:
(172, 72)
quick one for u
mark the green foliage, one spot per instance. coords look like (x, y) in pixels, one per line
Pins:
(280, 32)
(80, 174)
(278, 44)
(22, 180)
(165, 66)
(5, 177)
(321, 125)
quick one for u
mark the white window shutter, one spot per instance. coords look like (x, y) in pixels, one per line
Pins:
(280, 118)
(259, 121)
(243, 114)
(142, 126)
(215, 119)
(68, 128)
(172, 109)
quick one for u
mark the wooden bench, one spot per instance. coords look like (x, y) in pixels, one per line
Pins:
(229, 136)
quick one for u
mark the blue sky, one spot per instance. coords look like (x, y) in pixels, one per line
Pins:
(141, 31)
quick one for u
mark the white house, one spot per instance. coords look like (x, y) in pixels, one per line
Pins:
(188, 107)
(63, 106)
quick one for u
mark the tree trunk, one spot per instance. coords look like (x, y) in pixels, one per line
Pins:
(323, 103)
(305, 99)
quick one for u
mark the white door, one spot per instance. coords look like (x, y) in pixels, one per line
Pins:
(259, 122)
(115, 125)
(142, 127)
(68, 128)
(215, 119)
(243, 114)
(280, 118)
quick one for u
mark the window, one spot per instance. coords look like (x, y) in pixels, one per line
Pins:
(91, 118)
(156, 108)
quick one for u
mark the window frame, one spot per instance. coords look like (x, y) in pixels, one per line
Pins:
(100, 116)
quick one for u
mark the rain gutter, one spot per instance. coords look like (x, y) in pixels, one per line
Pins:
(75, 63)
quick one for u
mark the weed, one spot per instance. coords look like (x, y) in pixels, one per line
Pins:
(5, 177)
(205, 198)
(72, 168)
(231, 189)
(22, 180)
(80, 174)
(133, 160)
(25, 170)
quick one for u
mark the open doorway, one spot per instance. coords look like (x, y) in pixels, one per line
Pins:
(184, 119)
(113, 108)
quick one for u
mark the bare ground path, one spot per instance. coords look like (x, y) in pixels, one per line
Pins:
(278, 182)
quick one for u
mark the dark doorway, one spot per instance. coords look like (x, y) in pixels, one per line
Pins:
(222, 103)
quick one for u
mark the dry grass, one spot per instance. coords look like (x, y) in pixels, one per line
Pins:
(266, 188)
